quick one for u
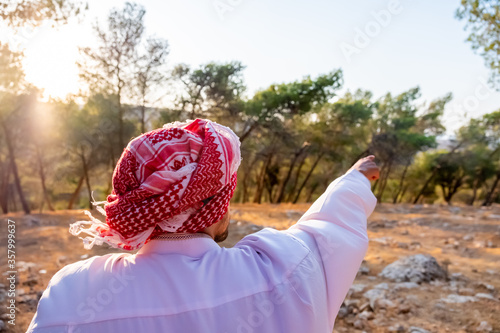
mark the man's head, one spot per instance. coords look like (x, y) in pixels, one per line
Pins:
(162, 182)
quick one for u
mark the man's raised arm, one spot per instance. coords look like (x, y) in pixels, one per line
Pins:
(334, 228)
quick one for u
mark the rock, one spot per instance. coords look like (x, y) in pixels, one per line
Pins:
(33, 222)
(466, 291)
(2, 325)
(404, 222)
(454, 298)
(373, 295)
(405, 285)
(359, 324)
(398, 328)
(364, 270)
(31, 281)
(414, 329)
(84, 256)
(458, 277)
(23, 266)
(484, 327)
(383, 285)
(484, 286)
(417, 268)
(384, 303)
(414, 246)
(366, 315)
(490, 244)
(485, 295)
(480, 244)
(62, 260)
(404, 308)
(357, 288)
(402, 245)
(364, 306)
(343, 312)
(468, 237)
(383, 240)
(405, 232)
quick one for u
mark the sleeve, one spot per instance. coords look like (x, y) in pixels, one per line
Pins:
(334, 229)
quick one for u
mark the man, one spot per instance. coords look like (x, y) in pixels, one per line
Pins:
(171, 192)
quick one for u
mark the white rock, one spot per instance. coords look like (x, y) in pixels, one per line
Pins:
(414, 329)
(417, 268)
(357, 288)
(405, 285)
(373, 295)
(454, 298)
(484, 327)
(485, 295)
(383, 285)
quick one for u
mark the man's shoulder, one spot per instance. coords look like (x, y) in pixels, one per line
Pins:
(278, 246)
(79, 269)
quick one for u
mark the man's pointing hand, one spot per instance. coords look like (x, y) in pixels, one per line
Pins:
(367, 167)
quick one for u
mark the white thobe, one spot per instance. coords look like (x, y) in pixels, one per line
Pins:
(290, 281)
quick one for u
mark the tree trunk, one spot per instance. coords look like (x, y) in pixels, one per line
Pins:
(75, 194)
(13, 166)
(308, 176)
(296, 179)
(402, 194)
(120, 120)
(384, 183)
(260, 182)
(87, 180)
(281, 191)
(42, 179)
(401, 181)
(4, 190)
(489, 196)
(425, 185)
(474, 192)
(143, 118)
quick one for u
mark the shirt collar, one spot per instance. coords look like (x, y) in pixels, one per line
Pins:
(193, 247)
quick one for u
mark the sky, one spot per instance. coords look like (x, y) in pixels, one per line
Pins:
(381, 46)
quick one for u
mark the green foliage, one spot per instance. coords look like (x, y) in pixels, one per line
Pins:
(483, 22)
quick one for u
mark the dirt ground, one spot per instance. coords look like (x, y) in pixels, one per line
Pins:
(465, 240)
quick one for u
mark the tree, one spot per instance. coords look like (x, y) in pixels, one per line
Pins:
(150, 73)
(108, 67)
(483, 22)
(401, 133)
(289, 99)
(214, 90)
(19, 13)
(13, 106)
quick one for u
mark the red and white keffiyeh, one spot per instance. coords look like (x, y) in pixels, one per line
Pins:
(161, 181)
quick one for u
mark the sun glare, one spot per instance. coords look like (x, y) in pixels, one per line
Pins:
(50, 60)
